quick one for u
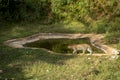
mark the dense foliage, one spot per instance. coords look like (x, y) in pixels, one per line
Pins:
(99, 16)
(86, 10)
(83, 10)
(24, 10)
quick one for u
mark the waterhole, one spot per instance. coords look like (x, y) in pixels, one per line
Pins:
(60, 45)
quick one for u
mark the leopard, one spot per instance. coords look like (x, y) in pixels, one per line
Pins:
(83, 47)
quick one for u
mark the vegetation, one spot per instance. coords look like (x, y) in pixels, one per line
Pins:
(20, 18)
(98, 16)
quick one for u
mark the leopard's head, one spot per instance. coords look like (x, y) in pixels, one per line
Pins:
(69, 46)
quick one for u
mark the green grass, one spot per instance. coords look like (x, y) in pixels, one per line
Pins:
(27, 64)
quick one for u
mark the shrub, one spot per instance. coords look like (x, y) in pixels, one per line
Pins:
(113, 31)
(99, 26)
(113, 37)
(29, 10)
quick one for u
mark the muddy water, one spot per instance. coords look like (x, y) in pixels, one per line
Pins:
(60, 45)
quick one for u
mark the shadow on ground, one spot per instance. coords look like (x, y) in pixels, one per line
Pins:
(13, 60)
